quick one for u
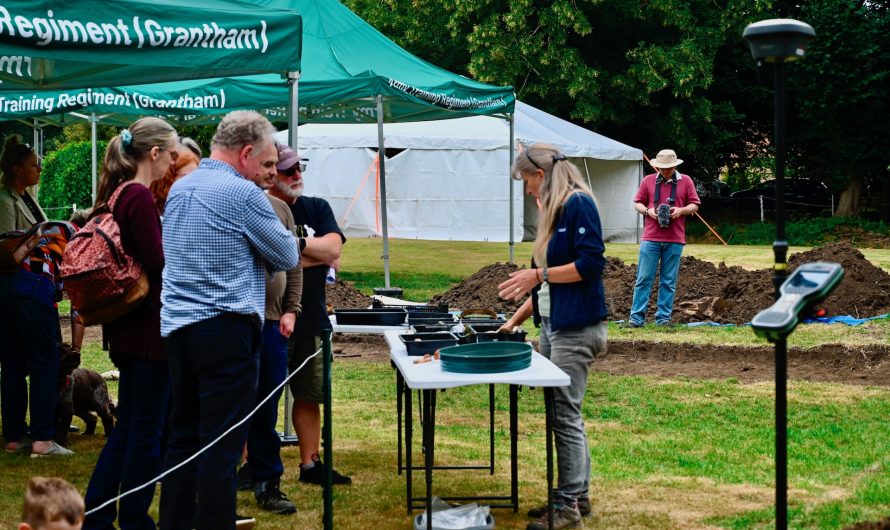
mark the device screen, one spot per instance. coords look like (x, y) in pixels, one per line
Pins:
(805, 279)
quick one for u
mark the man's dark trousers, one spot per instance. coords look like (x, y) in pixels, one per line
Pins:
(213, 378)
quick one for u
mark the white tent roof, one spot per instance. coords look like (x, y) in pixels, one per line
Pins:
(480, 133)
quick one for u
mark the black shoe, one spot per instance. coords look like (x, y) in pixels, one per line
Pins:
(563, 517)
(315, 474)
(245, 482)
(630, 324)
(270, 498)
(244, 523)
(584, 508)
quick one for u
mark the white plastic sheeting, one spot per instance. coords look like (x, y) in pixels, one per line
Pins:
(451, 178)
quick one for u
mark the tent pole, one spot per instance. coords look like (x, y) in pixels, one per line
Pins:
(93, 121)
(293, 114)
(587, 171)
(510, 181)
(37, 146)
(382, 157)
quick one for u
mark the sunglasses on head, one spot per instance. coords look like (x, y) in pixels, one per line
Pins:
(293, 171)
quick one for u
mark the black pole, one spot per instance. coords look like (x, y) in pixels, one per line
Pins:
(780, 272)
(328, 489)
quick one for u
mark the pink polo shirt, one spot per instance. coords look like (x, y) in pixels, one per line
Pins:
(686, 194)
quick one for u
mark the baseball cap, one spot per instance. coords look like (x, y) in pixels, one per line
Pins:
(288, 158)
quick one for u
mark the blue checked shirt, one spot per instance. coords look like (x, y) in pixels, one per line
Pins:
(220, 236)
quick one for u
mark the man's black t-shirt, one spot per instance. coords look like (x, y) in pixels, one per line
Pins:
(314, 218)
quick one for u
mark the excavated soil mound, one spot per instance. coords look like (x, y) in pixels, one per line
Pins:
(872, 525)
(481, 291)
(734, 295)
(342, 295)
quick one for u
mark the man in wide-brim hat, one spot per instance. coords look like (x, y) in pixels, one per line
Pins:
(664, 200)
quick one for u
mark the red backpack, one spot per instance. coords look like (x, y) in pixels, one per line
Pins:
(103, 282)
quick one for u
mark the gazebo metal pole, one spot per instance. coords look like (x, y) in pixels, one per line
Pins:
(381, 152)
(93, 122)
(512, 120)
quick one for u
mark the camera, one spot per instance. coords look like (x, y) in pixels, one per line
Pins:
(664, 215)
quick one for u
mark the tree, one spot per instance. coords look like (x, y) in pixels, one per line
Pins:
(839, 99)
(643, 73)
(66, 179)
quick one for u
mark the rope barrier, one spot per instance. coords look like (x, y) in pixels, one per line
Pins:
(208, 446)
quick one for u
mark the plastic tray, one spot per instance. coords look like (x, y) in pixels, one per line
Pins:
(429, 315)
(370, 317)
(436, 321)
(486, 358)
(432, 328)
(489, 333)
(425, 308)
(424, 343)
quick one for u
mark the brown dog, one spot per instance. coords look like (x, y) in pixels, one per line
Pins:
(82, 392)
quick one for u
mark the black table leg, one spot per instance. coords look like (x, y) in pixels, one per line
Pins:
(429, 404)
(548, 407)
(491, 427)
(409, 438)
(400, 387)
(514, 437)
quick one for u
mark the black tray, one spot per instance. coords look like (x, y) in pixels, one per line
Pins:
(425, 308)
(436, 321)
(489, 333)
(432, 328)
(479, 321)
(423, 343)
(428, 315)
(370, 317)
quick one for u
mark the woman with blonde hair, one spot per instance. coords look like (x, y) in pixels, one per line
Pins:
(135, 158)
(568, 303)
(29, 321)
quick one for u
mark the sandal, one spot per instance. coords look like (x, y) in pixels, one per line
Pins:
(20, 446)
(54, 450)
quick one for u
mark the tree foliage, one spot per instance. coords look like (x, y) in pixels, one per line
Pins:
(839, 97)
(645, 73)
(66, 178)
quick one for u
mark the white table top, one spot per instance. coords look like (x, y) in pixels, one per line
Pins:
(353, 328)
(430, 375)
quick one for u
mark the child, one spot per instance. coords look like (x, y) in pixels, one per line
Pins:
(52, 504)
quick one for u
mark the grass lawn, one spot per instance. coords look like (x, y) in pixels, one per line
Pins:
(667, 453)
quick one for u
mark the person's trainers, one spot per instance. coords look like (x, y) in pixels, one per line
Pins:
(563, 517)
(630, 324)
(269, 497)
(245, 482)
(315, 474)
(54, 450)
(244, 523)
(584, 508)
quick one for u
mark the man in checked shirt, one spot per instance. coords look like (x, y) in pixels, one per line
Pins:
(221, 236)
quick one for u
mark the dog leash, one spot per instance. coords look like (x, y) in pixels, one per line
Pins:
(208, 446)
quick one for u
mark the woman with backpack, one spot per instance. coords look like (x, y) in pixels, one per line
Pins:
(134, 159)
(29, 320)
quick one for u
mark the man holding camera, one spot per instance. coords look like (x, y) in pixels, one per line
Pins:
(664, 200)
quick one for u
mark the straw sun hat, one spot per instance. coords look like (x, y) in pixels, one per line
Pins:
(665, 158)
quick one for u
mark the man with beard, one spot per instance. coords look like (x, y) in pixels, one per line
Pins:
(263, 469)
(320, 241)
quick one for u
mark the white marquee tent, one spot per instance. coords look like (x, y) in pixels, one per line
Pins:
(449, 178)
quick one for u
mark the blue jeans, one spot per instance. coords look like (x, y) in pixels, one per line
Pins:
(263, 443)
(132, 454)
(29, 330)
(213, 377)
(651, 252)
(572, 351)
